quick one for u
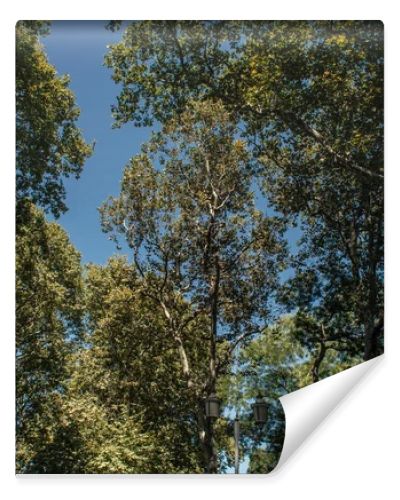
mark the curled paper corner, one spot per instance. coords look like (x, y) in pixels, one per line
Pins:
(306, 408)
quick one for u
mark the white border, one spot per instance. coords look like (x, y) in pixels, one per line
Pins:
(355, 452)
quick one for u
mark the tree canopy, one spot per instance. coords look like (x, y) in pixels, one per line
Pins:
(259, 128)
(49, 286)
(309, 99)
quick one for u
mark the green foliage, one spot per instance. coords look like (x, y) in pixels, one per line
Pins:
(207, 257)
(187, 209)
(283, 357)
(162, 65)
(261, 462)
(49, 144)
(263, 125)
(48, 319)
(132, 364)
(85, 437)
(310, 97)
(288, 355)
(49, 289)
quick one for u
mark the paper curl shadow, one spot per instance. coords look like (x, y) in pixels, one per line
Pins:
(307, 408)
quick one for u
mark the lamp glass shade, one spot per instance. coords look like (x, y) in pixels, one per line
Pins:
(212, 406)
(260, 411)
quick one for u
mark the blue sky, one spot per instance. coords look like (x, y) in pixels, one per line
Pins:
(77, 48)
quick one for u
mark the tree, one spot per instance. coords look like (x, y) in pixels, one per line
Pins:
(48, 319)
(328, 167)
(49, 146)
(130, 365)
(310, 98)
(263, 125)
(207, 257)
(98, 437)
(48, 274)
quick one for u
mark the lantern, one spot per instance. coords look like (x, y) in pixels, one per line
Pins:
(260, 411)
(212, 406)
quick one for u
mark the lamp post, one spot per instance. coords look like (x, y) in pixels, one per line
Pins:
(236, 431)
(260, 416)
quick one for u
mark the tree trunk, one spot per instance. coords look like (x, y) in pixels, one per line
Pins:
(373, 327)
(372, 335)
(317, 362)
(320, 357)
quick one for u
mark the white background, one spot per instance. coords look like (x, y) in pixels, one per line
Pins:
(355, 452)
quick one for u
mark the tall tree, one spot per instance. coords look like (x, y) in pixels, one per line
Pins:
(48, 275)
(187, 210)
(309, 96)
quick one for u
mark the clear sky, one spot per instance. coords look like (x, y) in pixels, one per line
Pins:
(77, 48)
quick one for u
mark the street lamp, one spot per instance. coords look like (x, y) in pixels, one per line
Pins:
(212, 406)
(260, 410)
(260, 417)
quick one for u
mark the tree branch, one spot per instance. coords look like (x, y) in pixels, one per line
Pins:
(292, 119)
